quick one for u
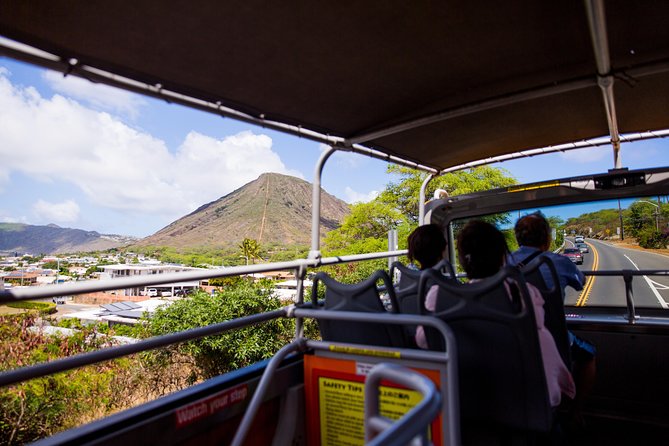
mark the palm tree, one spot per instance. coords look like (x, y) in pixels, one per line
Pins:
(250, 249)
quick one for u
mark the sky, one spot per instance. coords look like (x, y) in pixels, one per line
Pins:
(87, 156)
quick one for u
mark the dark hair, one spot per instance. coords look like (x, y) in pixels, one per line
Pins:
(481, 249)
(533, 230)
(426, 245)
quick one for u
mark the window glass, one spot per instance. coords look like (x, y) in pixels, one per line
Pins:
(608, 235)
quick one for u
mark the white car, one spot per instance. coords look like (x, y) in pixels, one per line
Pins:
(579, 239)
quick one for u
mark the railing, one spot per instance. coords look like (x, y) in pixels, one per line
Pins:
(298, 266)
(628, 276)
(39, 370)
(450, 358)
(60, 365)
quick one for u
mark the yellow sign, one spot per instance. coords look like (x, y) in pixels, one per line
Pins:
(341, 407)
(364, 351)
(334, 397)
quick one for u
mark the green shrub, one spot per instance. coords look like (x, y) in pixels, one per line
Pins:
(44, 406)
(649, 238)
(42, 307)
(215, 355)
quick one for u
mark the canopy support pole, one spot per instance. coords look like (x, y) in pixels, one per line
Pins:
(315, 252)
(598, 34)
(421, 200)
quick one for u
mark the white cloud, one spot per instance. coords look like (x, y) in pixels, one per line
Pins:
(10, 219)
(352, 196)
(65, 212)
(217, 165)
(117, 167)
(587, 155)
(97, 95)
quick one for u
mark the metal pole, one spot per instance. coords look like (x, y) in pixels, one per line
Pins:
(421, 200)
(315, 252)
(600, 45)
(392, 246)
(620, 215)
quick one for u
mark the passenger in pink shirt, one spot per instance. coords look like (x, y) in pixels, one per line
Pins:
(482, 251)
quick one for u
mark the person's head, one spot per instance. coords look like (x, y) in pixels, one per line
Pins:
(481, 249)
(533, 230)
(426, 245)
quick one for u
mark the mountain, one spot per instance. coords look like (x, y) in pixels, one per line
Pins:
(52, 239)
(273, 209)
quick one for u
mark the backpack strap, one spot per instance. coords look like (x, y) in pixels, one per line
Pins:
(516, 302)
(529, 258)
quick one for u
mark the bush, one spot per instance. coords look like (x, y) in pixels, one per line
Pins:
(651, 239)
(44, 406)
(42, 307)
(215, 355)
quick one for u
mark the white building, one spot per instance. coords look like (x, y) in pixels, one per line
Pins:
(110, 272)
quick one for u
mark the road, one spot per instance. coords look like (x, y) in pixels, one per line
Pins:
(649, 291)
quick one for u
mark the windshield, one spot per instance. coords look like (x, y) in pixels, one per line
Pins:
(630, 233)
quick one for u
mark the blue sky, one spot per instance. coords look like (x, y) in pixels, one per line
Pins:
(88, 156)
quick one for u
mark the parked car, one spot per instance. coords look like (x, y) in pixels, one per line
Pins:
(574, 254)
(582, 247)
(152, 292)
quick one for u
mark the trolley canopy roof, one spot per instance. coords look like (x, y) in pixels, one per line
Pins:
(440, 83)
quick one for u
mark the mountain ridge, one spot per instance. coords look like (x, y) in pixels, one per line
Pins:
(273, 209)
(52, 239)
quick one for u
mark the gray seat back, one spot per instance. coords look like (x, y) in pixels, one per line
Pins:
(502, 381)
(554, 318)
(361, 297)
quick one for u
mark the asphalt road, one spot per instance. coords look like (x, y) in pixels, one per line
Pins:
(649, 291)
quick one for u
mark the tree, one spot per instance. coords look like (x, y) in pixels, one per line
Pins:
(215, 355)
(365, 227)
(404, 194)
(640, 217)
(250, 249)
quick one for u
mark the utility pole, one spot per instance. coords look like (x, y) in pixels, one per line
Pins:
(620, 215)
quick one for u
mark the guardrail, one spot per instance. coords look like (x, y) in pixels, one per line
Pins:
(299, 266)
(89, 286)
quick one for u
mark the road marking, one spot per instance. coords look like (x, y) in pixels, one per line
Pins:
(645, 251)
(589, 282)
(652, 284)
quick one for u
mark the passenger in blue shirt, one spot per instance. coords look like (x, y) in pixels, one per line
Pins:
(534, 238)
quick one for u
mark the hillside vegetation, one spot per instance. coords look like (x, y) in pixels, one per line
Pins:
(273, 209)
(52, 239)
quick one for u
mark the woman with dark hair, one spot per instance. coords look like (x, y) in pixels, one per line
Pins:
(482, 251)
(426, 246)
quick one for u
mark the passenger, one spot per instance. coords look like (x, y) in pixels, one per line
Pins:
(533, 234)
(534, 238)
(426, 246)
(482, 251)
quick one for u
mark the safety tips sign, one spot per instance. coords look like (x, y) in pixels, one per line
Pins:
(341, 408)
(335, 402)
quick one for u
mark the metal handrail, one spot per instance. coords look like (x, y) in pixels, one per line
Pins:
(265, 379)
(30, 372)
(73, 362)
(13, 295)
(414, 423)
(449, 357)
